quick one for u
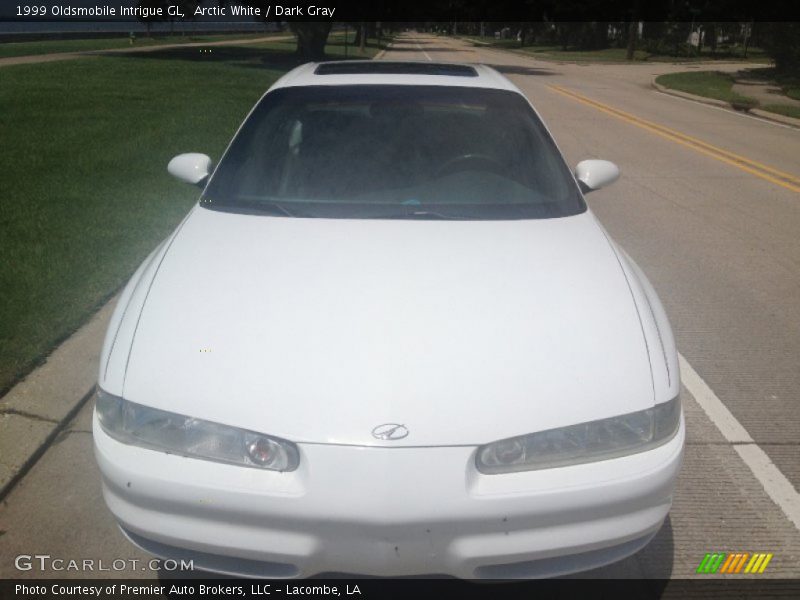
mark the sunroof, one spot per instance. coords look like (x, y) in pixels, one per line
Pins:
(394, 68)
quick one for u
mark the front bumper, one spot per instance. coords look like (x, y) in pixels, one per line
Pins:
(387, 511)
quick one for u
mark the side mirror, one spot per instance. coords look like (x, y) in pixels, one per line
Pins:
(190, 168)
(594, 174)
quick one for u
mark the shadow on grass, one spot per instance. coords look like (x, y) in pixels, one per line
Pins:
(404, 48)
(412, 42)
(765, 73)
(401, 45)
(520, 70)
(246, 56)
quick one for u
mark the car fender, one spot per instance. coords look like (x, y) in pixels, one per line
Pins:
(125, 318)
(656, 328)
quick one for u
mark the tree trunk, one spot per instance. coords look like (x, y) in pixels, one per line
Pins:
(362, 32)
(633, 30)
(564, 35)
(311, 39)
(746, 38)
(357, 40)
(712, 31)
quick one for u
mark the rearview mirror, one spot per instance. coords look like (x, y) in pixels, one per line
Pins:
(191, 167)
(594, 174)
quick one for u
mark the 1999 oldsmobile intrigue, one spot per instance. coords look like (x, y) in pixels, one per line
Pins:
(390, 339)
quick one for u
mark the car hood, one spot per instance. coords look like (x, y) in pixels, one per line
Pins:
(319, 330)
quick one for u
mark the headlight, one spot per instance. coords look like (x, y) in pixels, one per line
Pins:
(583, 443)
(139, 425)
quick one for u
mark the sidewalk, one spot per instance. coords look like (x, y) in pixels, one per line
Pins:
(35, 410)
(765, 92)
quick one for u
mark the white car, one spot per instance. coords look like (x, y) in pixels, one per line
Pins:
(390, 339)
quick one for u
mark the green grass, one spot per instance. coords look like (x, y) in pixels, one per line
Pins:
(608, 55)
(783, 109)
(556, 53)
(605, 55)
(335, 49)
(9, 49)
(730, 54)
(709, 84)
(86, 195)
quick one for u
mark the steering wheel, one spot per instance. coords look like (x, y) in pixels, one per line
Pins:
(471, 160)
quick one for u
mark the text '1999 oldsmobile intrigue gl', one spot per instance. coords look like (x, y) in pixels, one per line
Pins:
(390, 339)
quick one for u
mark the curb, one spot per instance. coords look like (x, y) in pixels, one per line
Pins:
(783, 119)
(701, 99)
(380, 54)
(756, 113)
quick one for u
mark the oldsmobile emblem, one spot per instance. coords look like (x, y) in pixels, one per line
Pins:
(390, 431)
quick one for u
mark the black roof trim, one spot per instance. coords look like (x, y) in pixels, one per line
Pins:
(394, 68)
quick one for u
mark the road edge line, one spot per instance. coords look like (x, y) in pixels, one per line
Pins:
(775, 483)
(747, 165)
(756, 114)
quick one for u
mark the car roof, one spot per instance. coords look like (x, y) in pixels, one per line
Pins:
(370, 72)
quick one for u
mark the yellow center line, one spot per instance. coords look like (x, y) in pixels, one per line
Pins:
(749, 161)
(785, 180)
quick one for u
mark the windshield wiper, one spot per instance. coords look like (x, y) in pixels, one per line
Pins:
(425, 215)
(272, 207)
(255, 208)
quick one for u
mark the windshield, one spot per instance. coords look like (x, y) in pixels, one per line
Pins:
(394, 151)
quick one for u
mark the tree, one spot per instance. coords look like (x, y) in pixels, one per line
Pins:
(633, 31)
(186, 6)
(151, 18)
(311, 39)
(781, 41)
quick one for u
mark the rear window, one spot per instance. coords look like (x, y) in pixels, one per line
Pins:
(386, 151)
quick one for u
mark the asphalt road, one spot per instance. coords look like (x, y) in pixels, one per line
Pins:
(709, 206)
